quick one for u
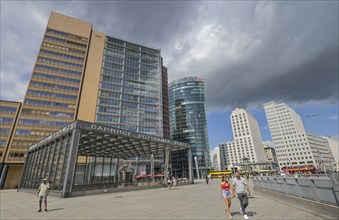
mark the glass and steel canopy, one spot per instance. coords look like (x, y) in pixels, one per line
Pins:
(73, 155)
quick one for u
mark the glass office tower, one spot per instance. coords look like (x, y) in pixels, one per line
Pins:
(187, 110)
(130, 88)
(130, 93)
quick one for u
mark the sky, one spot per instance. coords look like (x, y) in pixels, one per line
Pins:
(249, 52)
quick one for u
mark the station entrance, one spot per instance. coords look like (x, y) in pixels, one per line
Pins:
(84, 156)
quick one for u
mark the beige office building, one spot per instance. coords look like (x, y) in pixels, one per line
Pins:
(9, 112)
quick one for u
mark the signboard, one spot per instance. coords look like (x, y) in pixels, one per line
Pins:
(139, 136)
(53, 136)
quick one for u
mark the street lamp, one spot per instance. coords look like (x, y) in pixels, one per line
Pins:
(245, 161)
(308, 123)
(152, 167)
(196, 166)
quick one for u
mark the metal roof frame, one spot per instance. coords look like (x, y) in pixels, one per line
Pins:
(102, 140)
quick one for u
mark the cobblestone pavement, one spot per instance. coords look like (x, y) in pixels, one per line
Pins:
(198, 201)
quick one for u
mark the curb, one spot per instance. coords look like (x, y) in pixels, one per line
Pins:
(326, 211)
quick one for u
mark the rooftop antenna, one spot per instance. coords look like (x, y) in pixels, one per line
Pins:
(235, 103)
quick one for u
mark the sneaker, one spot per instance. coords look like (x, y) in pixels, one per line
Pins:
(39, 210)
(245, 217)
(46, 210)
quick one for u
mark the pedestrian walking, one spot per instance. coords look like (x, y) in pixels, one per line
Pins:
(169, 183)
(225, 193)
(206, 179)
(239, 186)
(174, 180)
(44, 189)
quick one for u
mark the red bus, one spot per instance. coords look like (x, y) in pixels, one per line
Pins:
(307, 169)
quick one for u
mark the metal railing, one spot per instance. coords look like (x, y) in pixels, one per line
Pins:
(323, 189)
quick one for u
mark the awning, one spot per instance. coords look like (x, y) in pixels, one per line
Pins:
(140, 176)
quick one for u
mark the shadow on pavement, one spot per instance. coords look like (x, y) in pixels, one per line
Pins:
(251, 213)
(235, 213)
(51, 210)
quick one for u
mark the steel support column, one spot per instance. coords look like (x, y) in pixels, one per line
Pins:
(167, 151)
(136, 166)
(71, 163)
(190, 165)
(3, 175)
(116, 174)
(197, 167)
(152, 167)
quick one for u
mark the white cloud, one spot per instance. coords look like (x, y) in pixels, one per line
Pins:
(21, 33)
(333, 117)
(13, 86)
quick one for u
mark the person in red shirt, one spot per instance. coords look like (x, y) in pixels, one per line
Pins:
(225, 192)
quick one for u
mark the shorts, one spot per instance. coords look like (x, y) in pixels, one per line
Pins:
(226, 193)
(43, 198)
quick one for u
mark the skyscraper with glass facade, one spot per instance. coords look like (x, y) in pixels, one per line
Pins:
(129, 93)
(81, 74)
(187, 110)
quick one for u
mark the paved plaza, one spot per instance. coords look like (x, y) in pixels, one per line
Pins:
(198, 201)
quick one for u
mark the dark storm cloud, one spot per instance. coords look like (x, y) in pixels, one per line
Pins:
(146, 22)
(22, 25)
(249, 52)
(290, 55)
(314, 80)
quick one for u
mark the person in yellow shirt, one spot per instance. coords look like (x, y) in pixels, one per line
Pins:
(43, 193)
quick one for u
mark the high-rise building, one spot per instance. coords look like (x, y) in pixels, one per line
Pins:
(165, 111)
(334, 145)
(9, 112)
(81, 74)
(270, 153)
(123, 86)
(292, 145)
(216, 159)
(224, 155)
(247, 151)
(52, 97)
(247, 139)
(187, 110)
(321, 151)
